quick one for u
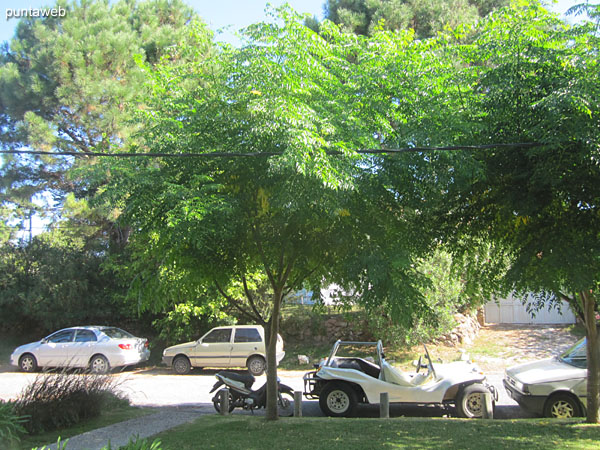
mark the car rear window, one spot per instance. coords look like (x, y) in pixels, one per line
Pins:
(85, 336)
(116, 333)
(247, 335)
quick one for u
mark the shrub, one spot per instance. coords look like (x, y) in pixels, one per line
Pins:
(58, 400)
(137, 444)
(188, 321)
(60, 445)
(10, 423)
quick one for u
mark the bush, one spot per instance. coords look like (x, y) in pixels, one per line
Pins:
(137, 444)
(188, 321)
(60, 445)
(59, 400)
(10, 423)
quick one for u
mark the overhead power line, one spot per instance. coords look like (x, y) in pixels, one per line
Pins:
(268, 154)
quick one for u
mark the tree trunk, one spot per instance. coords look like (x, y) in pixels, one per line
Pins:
(273, 331)
(593, 357)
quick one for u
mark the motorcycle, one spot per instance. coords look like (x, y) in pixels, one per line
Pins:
(242, 396)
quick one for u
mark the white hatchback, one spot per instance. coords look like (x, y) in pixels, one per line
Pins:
(96, 348)
(233, 346)
(555, 387)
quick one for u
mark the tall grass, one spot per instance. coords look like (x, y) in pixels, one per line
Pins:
(59, 400)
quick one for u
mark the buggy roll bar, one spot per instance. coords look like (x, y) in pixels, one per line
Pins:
(338, 343)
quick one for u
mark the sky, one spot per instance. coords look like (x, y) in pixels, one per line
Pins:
(216, 13)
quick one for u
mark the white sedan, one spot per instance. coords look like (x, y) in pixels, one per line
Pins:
(96, 348)
(555, 387)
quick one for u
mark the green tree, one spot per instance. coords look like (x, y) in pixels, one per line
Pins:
(519, 217)
(541, 203)
(523, 216)
(56, 278)
(426, 17)
(282, 209)
(70, 84)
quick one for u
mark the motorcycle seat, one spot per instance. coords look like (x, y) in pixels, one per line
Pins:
(248, 379)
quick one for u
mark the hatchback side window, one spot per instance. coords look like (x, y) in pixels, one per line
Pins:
(62, 337)
(85, 336)
(222, 335)
(247, 335)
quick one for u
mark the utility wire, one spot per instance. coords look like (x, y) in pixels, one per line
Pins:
(267, 154)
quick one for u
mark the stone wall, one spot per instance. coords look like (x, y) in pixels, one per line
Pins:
(326, 329)
(464, 333)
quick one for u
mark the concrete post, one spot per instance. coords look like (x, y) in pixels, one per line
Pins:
(488, 406)
(297, 403)
(384, 405)
(224, 397)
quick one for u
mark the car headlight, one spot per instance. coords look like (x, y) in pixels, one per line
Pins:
(524, 388)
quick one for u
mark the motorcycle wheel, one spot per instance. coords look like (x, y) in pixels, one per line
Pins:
(285, 404)
(217, 402)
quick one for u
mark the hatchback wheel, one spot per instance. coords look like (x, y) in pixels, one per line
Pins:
(256, 365)
(561, 406)
(181, 365)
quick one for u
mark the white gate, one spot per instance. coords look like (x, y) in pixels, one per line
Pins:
(512, 310)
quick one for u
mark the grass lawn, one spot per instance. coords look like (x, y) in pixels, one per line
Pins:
(247, 432)
(106, 418)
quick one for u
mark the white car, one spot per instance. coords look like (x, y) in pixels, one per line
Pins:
(342, 382)
(96, 348)
(232, 346)
(554, 387)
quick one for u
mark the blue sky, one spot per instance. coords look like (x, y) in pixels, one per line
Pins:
(216, 13)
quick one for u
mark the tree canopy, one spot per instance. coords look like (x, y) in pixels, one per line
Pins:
(426, 18)
(302, 216)
(70, 84)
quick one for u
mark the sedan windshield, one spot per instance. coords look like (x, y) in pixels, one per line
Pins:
(576, 355)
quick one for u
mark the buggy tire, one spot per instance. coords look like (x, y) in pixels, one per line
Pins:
(470, 402)
(338, 400)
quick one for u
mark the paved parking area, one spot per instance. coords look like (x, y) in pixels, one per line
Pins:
(181, 399)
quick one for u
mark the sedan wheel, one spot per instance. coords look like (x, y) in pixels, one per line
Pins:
(99, 364)
(562, 406)
(28, 363)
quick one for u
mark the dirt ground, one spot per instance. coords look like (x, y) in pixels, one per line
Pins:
(499, 346)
